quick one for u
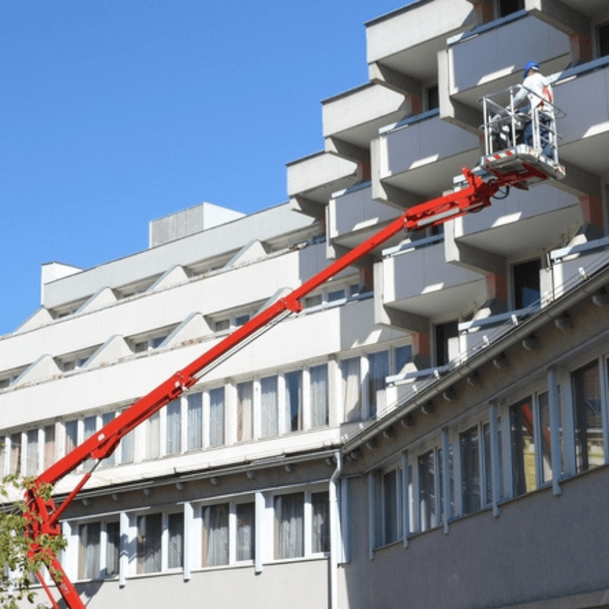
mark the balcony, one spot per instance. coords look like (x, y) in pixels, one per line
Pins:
(526, 222)
(422, 155)
(417, 281)
(351, 120)
(354, 216)
(491, 57)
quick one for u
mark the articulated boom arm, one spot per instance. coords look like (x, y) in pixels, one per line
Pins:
(471, 198)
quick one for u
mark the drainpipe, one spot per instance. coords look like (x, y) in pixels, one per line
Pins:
(334, 532)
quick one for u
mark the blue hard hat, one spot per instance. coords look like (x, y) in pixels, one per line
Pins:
(530, 65)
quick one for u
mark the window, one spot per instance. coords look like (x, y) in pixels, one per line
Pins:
(152, 437)
(293, 400)
(289, 526)
(428, 505)
(126, 448)
(471, 492)
(173, 435)
(93, 563)
(403, 356)
(432, 98)
(15, 463)
(603, 40)
(350, 373)
(216, 417)
(49, 446)
(526, 283)
(244, 411)
(545, 443)
(71, 429)
(319, 396)
(507, 7)
(149, 529)
(589, 451)
(269, 407)
(523, 447)
(379, 371)
(320, 529)
(31, 453)
(175, 546)
(215, 535)
(246, 526)
(447, 342)
(391, 506)
(194, 440)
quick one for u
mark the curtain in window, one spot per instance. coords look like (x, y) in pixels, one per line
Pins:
(113, 536)
(90, 427)
(31, 453)
(216, 417)
(289, 526)
(544, 432)
(153, 437)
(293, 400)
(523, 447)
(49, 446)
(71, 436)
(588, 419)
(321, 521)
(244, 411)
(175, 546)
(319, 396)
(379, 371)
(246, 518)
(149, 529)
(269, 406)
(215, 535)
(173, 443)
(427, 491)
(470, 471)
(351, 389)
(126, 448)
(194, 431)
(88, 550)
(16, 454)
(106, 418)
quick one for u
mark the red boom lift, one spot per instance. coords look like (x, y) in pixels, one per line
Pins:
(474, 193)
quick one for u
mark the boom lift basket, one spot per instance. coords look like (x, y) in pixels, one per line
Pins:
(505, 148)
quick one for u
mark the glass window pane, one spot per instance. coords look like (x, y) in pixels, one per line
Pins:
(289, 526)
(470, 471)
(544, 432)
(31, 455)
(153, 437)
(195, 422)
(216, 417)
(246, 519)
(587, 415)
(215, 535)
(113, 536)
(293, 400)
(71, 428)
(173, 441)
(391, 512)
(88, 550)
(379, 371)
(350, 372)
(269, 407)
(175, 547)
(427, 491)
(523, 448)
(149, 528)
(321, 522)
(244, 411)
(107, 417)
(319, 396)
(15, 466)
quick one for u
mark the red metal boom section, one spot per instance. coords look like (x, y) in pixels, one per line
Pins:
(471, 198)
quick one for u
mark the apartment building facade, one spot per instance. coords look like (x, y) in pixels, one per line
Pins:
(430, 431)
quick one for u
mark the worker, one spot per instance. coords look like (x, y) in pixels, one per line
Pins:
(537, 90)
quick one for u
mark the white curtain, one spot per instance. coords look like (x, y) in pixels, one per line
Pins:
(127, 448)
(351, 389)
(293, 400)
(16, 454)
(107, 417)
(175, 549)
(289, 526)
(269, 406)
(321, 521)
(246, 515)
(113, 535)
(149, 529)
(88, 550)
(194, 429)
(215, 535)
(319, 395)
(31, 454)
(71, 435)
(173, 443)
(153, 436)
(216, 417)
(244, 410)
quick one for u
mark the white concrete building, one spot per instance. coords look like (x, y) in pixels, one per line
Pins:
(432, 430)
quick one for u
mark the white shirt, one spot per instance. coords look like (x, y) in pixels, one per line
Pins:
(537, 88)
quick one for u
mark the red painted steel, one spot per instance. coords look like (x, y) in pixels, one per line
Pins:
(472, 198)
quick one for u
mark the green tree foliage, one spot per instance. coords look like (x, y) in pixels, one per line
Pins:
(18, 563)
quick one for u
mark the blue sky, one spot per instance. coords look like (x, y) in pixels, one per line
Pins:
(117, 112)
